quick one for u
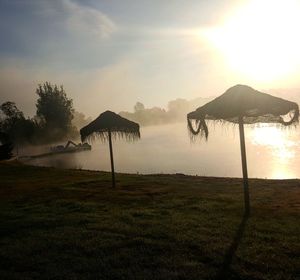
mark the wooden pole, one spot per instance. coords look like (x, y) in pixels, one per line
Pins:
(111, 159)
(244, 166)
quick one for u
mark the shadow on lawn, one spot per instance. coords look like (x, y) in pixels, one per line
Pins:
(224, 272)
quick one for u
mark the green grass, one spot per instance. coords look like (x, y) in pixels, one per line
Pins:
(70, 224)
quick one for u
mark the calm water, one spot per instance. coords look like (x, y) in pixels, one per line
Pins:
(271, 153)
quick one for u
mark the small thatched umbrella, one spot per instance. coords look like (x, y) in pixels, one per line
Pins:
(108, 125)
(242, 104)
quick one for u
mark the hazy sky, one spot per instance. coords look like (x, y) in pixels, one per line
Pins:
(109, 54)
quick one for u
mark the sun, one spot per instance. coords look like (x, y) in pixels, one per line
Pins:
(260, 40)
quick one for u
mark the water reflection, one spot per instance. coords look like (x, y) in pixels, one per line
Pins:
(283, 172)
(272, 153)
(282, 144)
(276, 139)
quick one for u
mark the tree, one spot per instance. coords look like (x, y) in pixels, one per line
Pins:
(14, 123)
(12, 120)
(54, 108)
(11, 111)
(80, 120)
(6, 146)
(177, 109)
(139, 107)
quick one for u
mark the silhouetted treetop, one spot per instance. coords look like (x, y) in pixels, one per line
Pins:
(54, 108)
(139, 107)
(14, 124)
(11, 111)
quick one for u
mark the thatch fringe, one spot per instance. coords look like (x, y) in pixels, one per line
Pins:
(103, 136)
(200, 127)
(252, 105)
(119, 127)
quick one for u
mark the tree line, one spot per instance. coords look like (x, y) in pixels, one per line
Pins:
(176, 111)
(56, 119)
(52, 122)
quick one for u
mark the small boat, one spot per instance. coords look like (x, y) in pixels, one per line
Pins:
(71, 147)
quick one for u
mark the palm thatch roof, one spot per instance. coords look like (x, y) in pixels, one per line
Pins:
(243, 101)
(110, 121)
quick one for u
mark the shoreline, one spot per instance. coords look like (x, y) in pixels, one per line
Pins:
(146, 174)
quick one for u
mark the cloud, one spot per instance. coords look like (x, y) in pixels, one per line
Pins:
(87, 20)
(52, 28)
(79, 19)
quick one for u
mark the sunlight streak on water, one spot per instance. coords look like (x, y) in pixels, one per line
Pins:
(283, 148)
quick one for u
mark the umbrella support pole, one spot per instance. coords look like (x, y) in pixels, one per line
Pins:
(244, 166)
(111, 159)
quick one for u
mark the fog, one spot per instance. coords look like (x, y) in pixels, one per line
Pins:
(271, 153)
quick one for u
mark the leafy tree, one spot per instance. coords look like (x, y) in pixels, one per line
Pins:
(177, 109)
(11, 120)
(139, 107)
(14, 124)
(80, 120)
(11, 111)
(54, 108)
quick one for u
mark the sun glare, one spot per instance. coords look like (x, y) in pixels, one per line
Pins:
(275, 139)
(260, 40)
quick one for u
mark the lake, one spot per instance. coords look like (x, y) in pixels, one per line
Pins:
(272, 152)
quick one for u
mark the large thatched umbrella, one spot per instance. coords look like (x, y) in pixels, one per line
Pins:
(242, 104)
(108, 125)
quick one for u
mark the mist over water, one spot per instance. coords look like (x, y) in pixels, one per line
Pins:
(271, 153)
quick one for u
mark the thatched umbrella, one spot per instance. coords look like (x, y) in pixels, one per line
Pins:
(108, 125)
(243, 105)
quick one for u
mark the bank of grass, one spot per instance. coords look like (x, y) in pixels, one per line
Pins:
(70, 224)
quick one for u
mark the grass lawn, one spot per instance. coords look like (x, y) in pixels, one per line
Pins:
(70, 224)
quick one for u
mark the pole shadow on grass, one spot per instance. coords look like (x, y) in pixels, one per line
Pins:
(224, 271)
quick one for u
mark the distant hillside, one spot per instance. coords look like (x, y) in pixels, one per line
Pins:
(176, 111)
